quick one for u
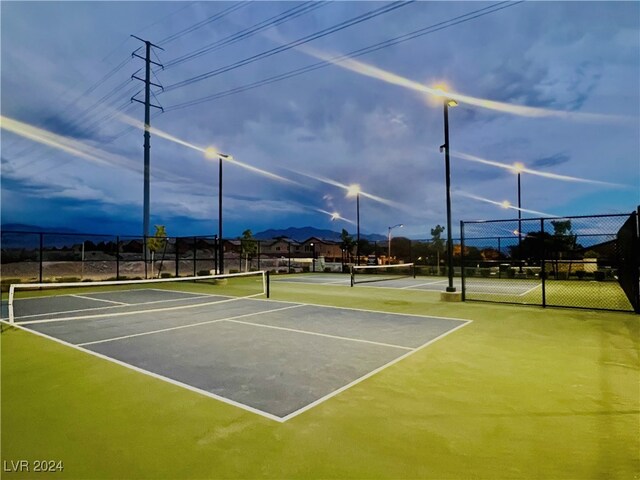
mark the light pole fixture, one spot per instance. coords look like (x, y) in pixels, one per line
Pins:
(354, 191)
(313, 256)
(400, 225)
(211, 153)
(518, 167)
(448, 102)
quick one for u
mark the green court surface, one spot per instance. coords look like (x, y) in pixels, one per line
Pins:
(521, 392)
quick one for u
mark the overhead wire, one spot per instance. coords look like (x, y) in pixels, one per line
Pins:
(353, 54)
(248, 32)
(211, 19)
(301, 41)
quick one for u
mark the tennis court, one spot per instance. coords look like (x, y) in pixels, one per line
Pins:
(274, 358)
(514, 287)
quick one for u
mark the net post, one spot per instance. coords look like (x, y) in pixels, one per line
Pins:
(351, 274)
(12, 289)
(267, 280)
(413, 269)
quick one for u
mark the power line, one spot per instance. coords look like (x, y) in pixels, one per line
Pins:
(211, 19)
(354, 54)
(276, 20)
(321, 33)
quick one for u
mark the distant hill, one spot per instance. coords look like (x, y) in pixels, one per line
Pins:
(301, 234)
(23, 227)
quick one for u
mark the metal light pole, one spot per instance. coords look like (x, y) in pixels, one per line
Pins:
(313, 257)
(212, 153)
(354, 191)
(448, 103)
(389, 242)
(518, 168)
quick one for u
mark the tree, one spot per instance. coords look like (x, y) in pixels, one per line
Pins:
(347, 242)
(437, 243)
(157, 243)
(249, 247)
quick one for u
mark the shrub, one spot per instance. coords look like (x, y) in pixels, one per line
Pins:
(327, 270)
(165, 275)
(234, 270)
(305, 269)
(598, 275)
(67, 279)
(580, 274)
(202, 273)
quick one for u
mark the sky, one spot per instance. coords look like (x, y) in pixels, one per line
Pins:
(72, 143)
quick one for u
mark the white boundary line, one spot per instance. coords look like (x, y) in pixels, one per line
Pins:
(136, 312)
(530, 290)
(270, 416)
(112, 306)
(241, 405)
(307, 332)
(362, 309)
(421, 285)
(370, 374)
(179, 327)
(99, 300)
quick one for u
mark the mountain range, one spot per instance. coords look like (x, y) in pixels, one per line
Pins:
(301, 234)
(297, 234)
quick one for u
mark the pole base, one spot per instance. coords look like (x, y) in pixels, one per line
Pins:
(451, 289)
(451, 296)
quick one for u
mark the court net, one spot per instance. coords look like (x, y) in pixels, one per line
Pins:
(28, 302)
(380, 273)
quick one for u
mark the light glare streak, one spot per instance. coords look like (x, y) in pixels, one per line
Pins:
(335, 216)
(504, 204)
(516, 168)
(347, 188)
(209, 152)
(394, 79)
(66, 144)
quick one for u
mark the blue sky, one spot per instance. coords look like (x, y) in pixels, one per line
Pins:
(580, 60)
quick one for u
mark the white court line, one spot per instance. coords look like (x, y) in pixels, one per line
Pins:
(241, 405)
(105, 308)
(380, 312)
(307, 332)
(421, 285)
(334, 282)
(136, 312)
(370, 374)
(157, 376)
(169, 329)
(99, 299)
(530, 290)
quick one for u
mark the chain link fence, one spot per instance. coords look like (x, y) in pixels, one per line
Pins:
(574, 262)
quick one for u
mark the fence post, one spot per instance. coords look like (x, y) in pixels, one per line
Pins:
(117, 257)
(195, 254)
(215, 254)
(177, 257)
(462, 269)
(144, 255)
(258, 255)
(289, 252)
(543, 271)
(41, 255)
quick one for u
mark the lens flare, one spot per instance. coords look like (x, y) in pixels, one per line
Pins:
(343, 61)
(520, 168)
(209, 152)
(504, 204)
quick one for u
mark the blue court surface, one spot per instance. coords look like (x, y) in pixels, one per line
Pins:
(276, 359)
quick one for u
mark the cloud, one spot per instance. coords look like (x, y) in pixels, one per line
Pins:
(551, 161)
